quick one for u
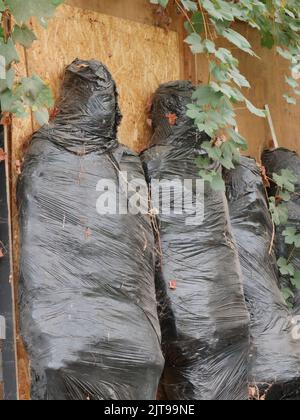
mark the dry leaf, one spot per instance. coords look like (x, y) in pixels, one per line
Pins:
(173, 285)
(88, 233)
(53, 113)
(162, 18)
(3, 155)
(252, 393)
(219, 140)
(18, 167)
(149, 122)
(264, 176)
(172, 118)
(6, 118)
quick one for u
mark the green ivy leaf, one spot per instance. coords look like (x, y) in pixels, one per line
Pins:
(2, 6)
(254, 110)
(36, 93)
(267, 40)
(213, 152)
(284, 53)
(225, 56)
(292, 237)
(163, 3)
(205, 95)
(8, 82)
(287, 293)
(23, 35)
(209, 45)
(2, 68)
(286, 269)
(196, 25)
(203, 162)
(238, 139)
(291, 82)
(219, 10)
(219, 72)
(286, 180)
(290, 100)
(189, 5)
(42, 116)
(285, 195)
(215, 179)
(12, 103)
(8, 50)
(239, 79)
(296, 280)
(42, 9)
(238, 40)
(195, 42)
(218, 183)
(279, 212)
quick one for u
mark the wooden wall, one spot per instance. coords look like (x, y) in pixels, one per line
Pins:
(136, 10)
(123, 34)
(266, 76)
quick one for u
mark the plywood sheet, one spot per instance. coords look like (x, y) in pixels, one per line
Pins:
(137, 10)
(140, 57)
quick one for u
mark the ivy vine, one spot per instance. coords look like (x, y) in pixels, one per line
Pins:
(214, 104)
(285, 182)
(19, 96)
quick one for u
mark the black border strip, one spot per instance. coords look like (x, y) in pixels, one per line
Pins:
(6, 294)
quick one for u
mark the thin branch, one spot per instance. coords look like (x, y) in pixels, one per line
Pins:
(185, 14)
(272, 239)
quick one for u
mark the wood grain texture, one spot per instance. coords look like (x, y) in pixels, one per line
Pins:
(267, 78)
(137, 10)
(139, 57)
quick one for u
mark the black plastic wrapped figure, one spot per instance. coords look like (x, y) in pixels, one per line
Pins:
(87, 294)
(275, 372)
(275, 161)
(201, 302)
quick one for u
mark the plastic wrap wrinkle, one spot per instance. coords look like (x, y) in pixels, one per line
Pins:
(275, 366)
(205, 324)
(87, 294)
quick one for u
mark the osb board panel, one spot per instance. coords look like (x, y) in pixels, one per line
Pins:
(140, 58)
(138, 10)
